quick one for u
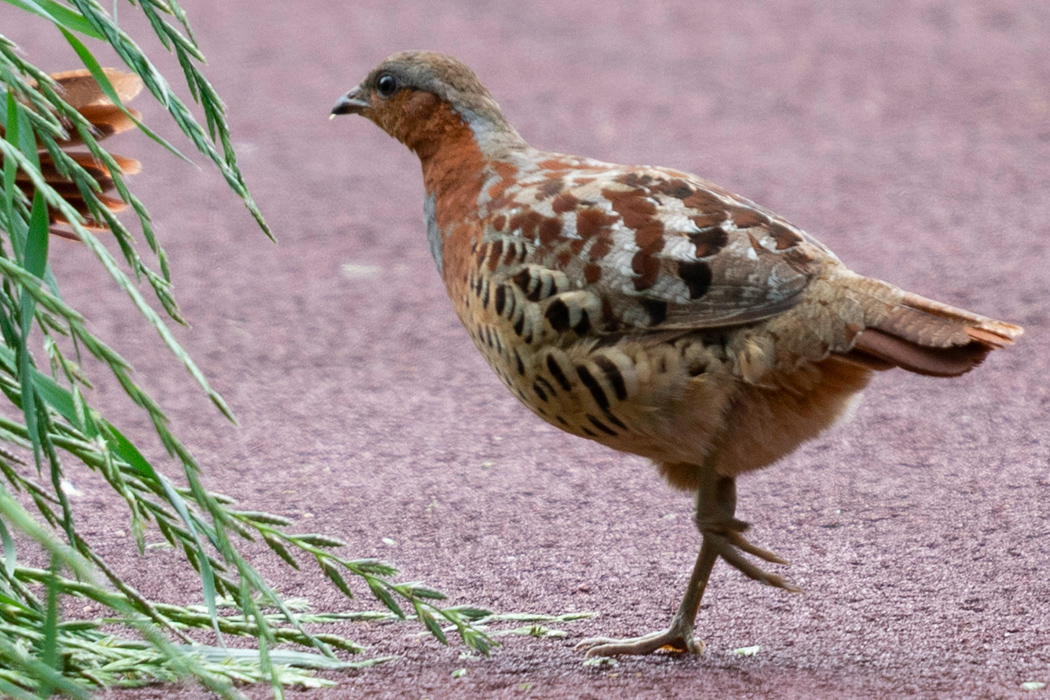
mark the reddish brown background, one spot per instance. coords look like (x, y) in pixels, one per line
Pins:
(911, 137)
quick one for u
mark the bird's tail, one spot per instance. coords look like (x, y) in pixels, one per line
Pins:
(931, 338)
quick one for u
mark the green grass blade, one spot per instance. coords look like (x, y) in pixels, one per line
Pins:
(10, 553)
(15, 657)
(12, 691)
(10, 340)
(25, 378)
(50, 391)
(129, 453)
(49, 645)
(20, 133)
(206, 572)
(11, 168)
(100, 76)
(26, 136)
(35, 260)
(59, 14)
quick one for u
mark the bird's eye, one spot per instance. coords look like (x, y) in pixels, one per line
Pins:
(386, 85)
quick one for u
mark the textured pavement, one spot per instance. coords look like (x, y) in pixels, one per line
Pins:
(913, 138)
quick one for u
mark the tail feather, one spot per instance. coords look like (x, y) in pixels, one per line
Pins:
(931, 338)
(979, 328)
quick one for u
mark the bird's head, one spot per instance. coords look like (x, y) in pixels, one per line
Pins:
(422, 98)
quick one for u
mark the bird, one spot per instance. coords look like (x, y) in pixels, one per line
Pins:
(650, 310)
(80, 90)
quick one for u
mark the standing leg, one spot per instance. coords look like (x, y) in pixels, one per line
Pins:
(677, 637)
(715, 508)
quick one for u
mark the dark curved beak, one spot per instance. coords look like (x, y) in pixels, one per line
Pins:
(351, 103)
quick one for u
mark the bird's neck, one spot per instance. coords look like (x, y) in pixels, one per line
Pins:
(455, 148)
(456, 152)
(452, 158)
(453, 174)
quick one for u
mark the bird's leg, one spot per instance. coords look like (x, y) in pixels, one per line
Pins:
(715, 507)
(679, 636)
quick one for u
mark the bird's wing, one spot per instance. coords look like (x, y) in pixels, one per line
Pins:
(664, 250)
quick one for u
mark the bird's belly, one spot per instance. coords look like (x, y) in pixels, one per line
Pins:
(726, 399)
(663, 401)
(677, 403)
(765, 424)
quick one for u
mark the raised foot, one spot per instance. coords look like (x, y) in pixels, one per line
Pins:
(679, 642)
(728, 541)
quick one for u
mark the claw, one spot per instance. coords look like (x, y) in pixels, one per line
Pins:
(666, 640)
(740, 542)
(730, 544)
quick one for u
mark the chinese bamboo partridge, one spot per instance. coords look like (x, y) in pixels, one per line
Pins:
(648, 309)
